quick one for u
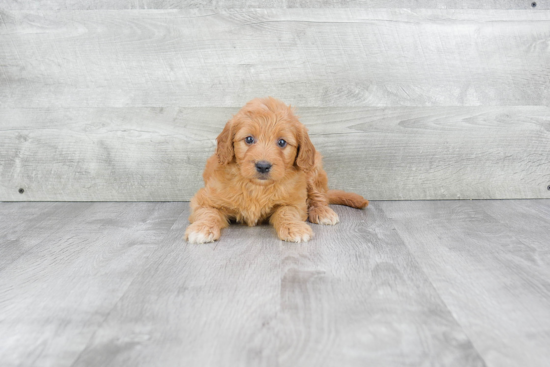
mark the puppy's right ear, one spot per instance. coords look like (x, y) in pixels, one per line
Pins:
(224, 149)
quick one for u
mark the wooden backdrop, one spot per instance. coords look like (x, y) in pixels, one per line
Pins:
(122, 100)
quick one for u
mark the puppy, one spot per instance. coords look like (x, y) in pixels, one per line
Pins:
(265, 168)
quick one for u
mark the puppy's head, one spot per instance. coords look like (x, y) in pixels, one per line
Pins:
(266, 141)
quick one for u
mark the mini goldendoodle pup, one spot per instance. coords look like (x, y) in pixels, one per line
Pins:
(265, 168)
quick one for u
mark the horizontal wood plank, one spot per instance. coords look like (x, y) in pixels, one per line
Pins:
(382, 153)
(246, 4)
(308, 57)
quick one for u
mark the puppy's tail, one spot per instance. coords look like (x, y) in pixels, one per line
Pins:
(346, 198)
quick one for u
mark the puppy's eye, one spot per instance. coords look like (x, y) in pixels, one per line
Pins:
(249, 140)
(281, 143)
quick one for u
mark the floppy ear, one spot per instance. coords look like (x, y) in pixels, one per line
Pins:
(224, 149)
(306, 151)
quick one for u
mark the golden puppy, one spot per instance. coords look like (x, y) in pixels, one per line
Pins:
(265, 167)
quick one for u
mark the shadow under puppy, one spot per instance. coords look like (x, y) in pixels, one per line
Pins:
(265, 168)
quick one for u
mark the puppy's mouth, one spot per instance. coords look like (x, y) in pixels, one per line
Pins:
(262, 179)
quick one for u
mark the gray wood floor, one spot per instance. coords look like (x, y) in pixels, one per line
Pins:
(431, 283)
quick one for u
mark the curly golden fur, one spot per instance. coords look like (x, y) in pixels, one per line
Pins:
(265, 168)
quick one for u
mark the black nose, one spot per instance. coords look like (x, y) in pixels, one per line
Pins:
(263, 166)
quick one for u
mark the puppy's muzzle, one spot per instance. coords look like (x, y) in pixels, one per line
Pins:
(263, 167)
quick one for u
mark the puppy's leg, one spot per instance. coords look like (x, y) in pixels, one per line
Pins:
(206, 226)
(318, 211)
(289, 222)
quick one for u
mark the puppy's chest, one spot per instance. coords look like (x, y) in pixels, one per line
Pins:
(254, 206)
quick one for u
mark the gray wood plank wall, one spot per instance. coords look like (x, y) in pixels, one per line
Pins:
(277, 4)
(122, 100)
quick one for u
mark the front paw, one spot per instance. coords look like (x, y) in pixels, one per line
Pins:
(200, 232)
(295, 232)
(323, 215)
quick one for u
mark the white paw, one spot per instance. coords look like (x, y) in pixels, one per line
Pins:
(295, 232)
(200, 233)
(323, 215)
(199, 237)
(298, 239)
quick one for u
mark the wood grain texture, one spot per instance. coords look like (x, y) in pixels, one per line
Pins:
(307, 57)
(529, 221)
(221, 4)
(24, 225)
(492, 273)
(119, 154)
(118, 287)
(439, 283)
(104, 154)
(55, 295)
(209, 305)
(354, 296)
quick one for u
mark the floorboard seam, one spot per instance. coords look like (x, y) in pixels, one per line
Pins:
(432, 284)
(115, 304)
(43, 239)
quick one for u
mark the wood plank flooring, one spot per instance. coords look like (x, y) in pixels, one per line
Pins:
(425, 283)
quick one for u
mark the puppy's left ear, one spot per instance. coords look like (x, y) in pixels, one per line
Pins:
(224, 149)
(306, 151)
